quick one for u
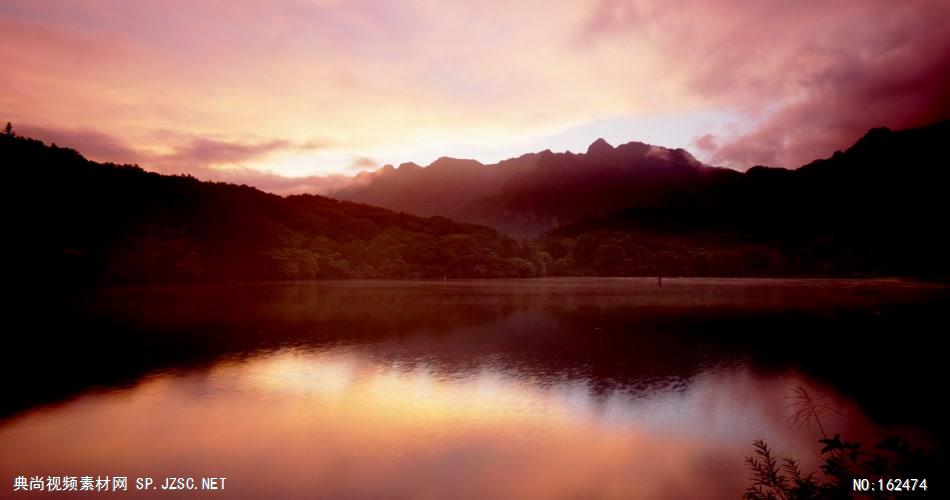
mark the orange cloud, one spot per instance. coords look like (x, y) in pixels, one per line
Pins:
(207, 159)
(251, 83)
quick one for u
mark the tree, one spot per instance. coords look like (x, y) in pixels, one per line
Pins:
(8, 130)
(843, 462)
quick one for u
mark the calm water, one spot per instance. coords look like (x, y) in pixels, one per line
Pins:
(600, 388)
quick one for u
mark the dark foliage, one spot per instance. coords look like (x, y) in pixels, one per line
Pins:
(892, 461)
(878, 208)
(83, 221)
(843, 462)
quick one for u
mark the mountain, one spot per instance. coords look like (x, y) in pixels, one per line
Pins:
(81, 221)
(535, 192)
(878, 208)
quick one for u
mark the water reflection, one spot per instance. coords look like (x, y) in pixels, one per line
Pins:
(512, 389)
(339, 424)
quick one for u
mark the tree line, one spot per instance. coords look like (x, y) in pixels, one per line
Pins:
(89, 222)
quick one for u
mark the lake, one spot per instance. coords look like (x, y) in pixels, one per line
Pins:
(548, 388)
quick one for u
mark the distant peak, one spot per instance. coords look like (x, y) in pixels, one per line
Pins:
(448, 160)
(877, 133)
(873, 138)
(408, 166)
(600, 146)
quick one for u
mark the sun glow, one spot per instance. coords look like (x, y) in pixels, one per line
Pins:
(296, 88)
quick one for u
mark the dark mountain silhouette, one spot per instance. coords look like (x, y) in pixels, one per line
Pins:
(878, 208)
(88, 222)
(535, 192)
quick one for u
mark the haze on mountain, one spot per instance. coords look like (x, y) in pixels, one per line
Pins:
(91, 223)
(876, 209)
(535, 192)
(639, 209)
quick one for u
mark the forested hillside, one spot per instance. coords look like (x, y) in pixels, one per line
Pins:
(105, 223)
(877, 209)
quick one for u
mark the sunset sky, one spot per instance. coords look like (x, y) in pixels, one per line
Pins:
(277, 93)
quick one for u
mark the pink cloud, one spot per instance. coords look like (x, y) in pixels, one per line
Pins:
(199, 157)
(203, 152)
(706, 143)
(91, 143)
(187, 151)
(275, 183)
(363, 163)
(248, 81)
(812, 77)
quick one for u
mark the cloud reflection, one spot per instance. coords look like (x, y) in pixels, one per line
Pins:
(338, 424)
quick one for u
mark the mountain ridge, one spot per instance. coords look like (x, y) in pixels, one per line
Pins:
(527, 195)
(877, 208)
(87, 222)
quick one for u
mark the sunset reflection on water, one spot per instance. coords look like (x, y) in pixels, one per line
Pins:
(569, 388)
(339, 424)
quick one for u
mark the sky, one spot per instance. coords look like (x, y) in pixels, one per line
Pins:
(295, 95)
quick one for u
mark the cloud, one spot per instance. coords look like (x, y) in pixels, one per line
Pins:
(276, 183)
(706, 143)
(250, 82)
(897, 94)
(363, 163)
(212, 152)
(203, 152)
(184, 151)
(394, 80)
(206, 159)
(91, 143)
(809, 77)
